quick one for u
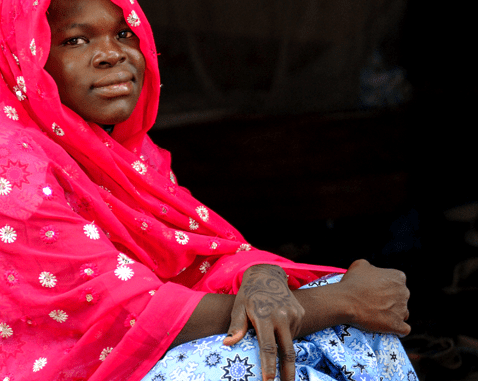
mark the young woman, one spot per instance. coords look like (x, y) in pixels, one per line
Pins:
(108, 266)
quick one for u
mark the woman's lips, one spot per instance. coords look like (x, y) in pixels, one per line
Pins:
(114, 85)
(115, 90)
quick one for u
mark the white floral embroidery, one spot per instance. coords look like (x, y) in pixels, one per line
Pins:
(16, 59)
(133, 19)
(244, 247)
(11, 112)
(47, 279)
(91, 231)
(105, 352)
(203, 213)
(5, 330)
(57, 129)
(35, 3)
(33, 46)
(193, 225)
(123, 259)
(58, 315)
(204, 267)
(39, 364)
(124, 273)
(21, 84)
(152, 292)
(19, 94)
(171, 177)
(47, 191)
(8, 234)
(5, 187)
(131, 1)
(214, 245)
(140, 167)
(181, 237)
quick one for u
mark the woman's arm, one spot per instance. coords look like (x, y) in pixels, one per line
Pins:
(368, 297)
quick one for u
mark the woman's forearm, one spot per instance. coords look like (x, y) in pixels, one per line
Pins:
(324, 308)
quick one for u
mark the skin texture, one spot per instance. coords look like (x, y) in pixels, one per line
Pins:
(91, 46)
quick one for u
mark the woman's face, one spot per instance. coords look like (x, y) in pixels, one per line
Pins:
(95, 60)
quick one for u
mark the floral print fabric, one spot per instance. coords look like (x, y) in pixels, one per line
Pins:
(336, 353)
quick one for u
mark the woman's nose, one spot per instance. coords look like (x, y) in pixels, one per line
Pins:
(108, 53)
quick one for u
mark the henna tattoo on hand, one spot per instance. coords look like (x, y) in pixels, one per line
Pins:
(266, 287)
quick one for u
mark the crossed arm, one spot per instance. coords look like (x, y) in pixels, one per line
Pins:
(369, 298)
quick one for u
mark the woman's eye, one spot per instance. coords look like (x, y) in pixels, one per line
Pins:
(125, 34)
(75, 41)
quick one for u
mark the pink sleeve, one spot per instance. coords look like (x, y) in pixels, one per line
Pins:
(72, 304)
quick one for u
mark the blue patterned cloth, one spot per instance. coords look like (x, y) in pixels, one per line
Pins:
(337, 353)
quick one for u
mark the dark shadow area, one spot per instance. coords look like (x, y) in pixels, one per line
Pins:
(372, 181)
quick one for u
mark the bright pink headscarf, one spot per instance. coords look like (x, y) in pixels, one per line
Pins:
(103, 257)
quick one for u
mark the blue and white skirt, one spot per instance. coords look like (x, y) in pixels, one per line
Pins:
(338, 353)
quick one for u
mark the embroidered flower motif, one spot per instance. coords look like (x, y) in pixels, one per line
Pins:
(11, 277)
(5, 330)
(19, 94)
(133, 19)
(89, 271)
(57, 129)
(11, 112)
(58, 315)
(91, 231)
(21, 83)
(90, 296)
(47, 279)
(124, 273)
(130, 320)
(172, 178)
(49, 234)
(46, 191)
(5, 187)
(131, 1)
(181, 237)
(204, 267)
(143, 225)
(193, 225)
(8, 377)
(105, 352)
(203, 213)
(164, 209)
(123, 259)
(213, 244)
(8, 234)
(39, 364)
(139, 166)
(16, 59)
(33, 46)
(152, 292)
(244, 247)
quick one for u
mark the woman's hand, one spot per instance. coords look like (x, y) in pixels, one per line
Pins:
(264, 299)
(377, 298)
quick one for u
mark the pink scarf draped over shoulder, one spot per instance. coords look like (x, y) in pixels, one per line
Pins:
(103, 256)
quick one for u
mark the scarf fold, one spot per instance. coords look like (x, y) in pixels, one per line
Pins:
(103, 256)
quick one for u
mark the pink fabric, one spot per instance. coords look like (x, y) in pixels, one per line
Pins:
(103, 257)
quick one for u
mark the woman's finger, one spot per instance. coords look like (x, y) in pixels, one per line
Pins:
(239, 324)
(268, 350)
(286, 355)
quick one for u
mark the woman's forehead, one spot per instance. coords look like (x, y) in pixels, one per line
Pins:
(66, 12)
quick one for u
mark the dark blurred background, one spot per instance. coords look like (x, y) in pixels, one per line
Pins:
(327, 131)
